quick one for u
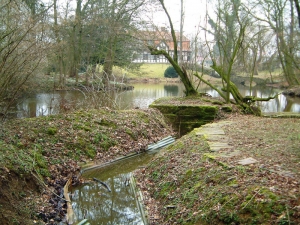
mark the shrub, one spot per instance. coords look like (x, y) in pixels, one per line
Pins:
(170, 72)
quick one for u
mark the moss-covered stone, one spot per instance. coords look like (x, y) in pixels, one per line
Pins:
(184, 118)
(226, 108)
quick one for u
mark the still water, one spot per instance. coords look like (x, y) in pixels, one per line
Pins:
(95, 203)
(119, 206)
(140, 97)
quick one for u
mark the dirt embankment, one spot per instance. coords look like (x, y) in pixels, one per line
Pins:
(38, 155)
(188, 183)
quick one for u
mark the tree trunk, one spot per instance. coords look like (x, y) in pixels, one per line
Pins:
(189, 88)
(60, 52)
(76, 42)
(181, 71)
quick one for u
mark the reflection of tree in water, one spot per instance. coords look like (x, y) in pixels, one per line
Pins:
(292, 104)
(95, 203)
(172, 90)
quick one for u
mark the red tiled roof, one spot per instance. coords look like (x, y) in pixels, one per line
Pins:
(163, 36)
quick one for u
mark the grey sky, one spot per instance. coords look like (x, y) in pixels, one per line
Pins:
(194, 14)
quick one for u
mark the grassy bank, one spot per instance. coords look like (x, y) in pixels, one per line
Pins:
(38, 155)
(189, 184)
(149, 71)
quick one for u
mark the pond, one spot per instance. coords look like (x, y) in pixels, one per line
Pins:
(141, 96)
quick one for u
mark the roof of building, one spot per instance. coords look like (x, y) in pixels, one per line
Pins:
(163, 36)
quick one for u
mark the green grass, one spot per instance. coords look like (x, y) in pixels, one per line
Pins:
(144, 71)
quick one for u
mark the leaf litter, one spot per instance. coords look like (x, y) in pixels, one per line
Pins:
(188, 184)
(49, 150)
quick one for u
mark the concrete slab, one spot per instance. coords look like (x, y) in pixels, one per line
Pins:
(217, 137)
(210, 131)
(247, 161)
(217, 146)
(229, 154)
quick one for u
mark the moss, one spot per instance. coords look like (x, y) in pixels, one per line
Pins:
(131, 134)
(51, 130)
(106, 123)
(175, 145)
(209, 156)
(260, 202)
(90, 151)
(227, 109)
(143, 117)
(185, 118)
(165, 109)
(106, 141)
(198, 186)
(233, 183)
(215, 102)
(188, 173)
(165, 189)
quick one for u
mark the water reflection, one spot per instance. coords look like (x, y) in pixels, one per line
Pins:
(95, 203)
(47, 103)
(99, 206)
(140, 97)
(280, 104)
(144, 94)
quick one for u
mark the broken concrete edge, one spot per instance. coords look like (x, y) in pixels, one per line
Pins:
(139, 200)
(151, 147)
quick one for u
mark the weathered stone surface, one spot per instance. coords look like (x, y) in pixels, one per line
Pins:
(185, 118)
(229, 153)
(247, 161)
(215, 136)
(210, 131)
(217, 146)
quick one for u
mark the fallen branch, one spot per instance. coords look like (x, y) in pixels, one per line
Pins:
(255, 99)
(104, 184)
(71, 217)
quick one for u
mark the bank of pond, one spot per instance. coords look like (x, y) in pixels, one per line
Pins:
(143, 94)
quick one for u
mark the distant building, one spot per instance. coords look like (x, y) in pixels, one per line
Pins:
(161, 39)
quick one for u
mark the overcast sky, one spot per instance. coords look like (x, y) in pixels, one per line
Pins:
(194, 14)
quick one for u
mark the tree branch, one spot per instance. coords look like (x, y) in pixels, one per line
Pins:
(172, 31)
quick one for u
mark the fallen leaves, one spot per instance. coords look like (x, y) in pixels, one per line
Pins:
(268, 187)
(75, 141)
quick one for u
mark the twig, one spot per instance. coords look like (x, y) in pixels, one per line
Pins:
(288, 214)
(70, 216)
(104, 184)
(45, 186)
(251, 199)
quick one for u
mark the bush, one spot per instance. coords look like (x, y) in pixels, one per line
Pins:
(170, 72)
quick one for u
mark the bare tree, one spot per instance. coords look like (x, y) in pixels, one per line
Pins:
(229, 31)
(21, 48)
(181, 29)
(297, 5)
(181, 70)
(275, 13)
